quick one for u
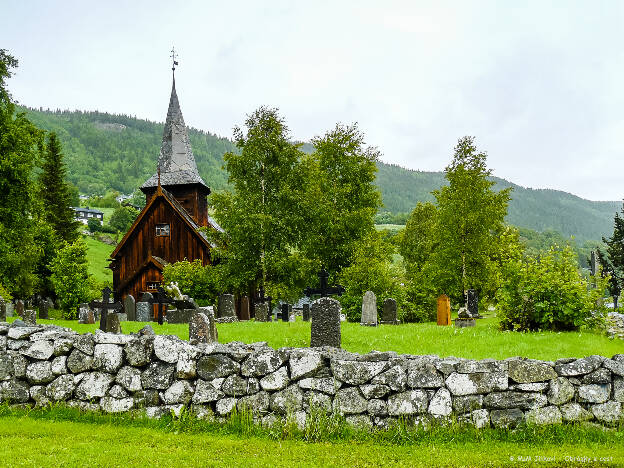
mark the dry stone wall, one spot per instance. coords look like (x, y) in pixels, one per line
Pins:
(159, 374)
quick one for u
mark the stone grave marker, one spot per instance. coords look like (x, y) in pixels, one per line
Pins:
(244, 308)
(85, 314)
(129, 307)
(389, 314)
(306, 312)
(104, 307)
(225, 306)
(19, 308)
(444, 310)
(180, 315)
(113, 323)
(261, 312)
(286, 310)
(464, 319)
(147, 297)
(472, 303)
(325, 329)
(30, 316)
(369, 309)
(3, 315)
(144, 312)
(9, 309)
(202, 327)
(44, 307)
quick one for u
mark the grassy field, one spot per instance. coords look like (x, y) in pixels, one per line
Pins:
(482, 341)
(65, 437)
(98, 254)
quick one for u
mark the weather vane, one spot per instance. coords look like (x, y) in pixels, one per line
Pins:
(173, 58)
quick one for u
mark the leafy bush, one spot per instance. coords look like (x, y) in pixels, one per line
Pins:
(122, 218)
(197, 281)
(372, 270)
(547, 292)
(94, 225)
(70, 277)
(5, 294)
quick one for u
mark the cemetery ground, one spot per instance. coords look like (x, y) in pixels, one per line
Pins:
(480, 342)
(63, 436)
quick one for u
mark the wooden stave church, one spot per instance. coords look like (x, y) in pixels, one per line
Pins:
(168, 229)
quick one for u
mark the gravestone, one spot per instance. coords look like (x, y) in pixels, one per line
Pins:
(444, 310)
(464, 319)
(30, 316)
(244, 309)
(85, 314)
(44, 307)
(9, 309)
(472, 303)
(286, 309)
(129, 307)
(389, 314)
(306, 312)
(180, 315)
(261, 311)
(113, 323)
(3, 315)
(147, 297)
(104, 307)
(325, 329)
(202, 327)
(19, 308)
(225, 307)
(369, 309)
(144, 311)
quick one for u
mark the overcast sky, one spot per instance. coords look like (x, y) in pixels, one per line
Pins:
(539, 84)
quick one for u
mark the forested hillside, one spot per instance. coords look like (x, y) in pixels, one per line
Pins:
(119, 152)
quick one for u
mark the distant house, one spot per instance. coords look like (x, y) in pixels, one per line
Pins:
(85, 214)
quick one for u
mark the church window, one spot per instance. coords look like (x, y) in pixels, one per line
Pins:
(162, 230)
(152, 285)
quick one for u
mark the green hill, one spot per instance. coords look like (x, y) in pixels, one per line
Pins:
(105, 151)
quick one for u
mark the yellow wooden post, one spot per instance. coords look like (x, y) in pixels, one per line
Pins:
(444, 310)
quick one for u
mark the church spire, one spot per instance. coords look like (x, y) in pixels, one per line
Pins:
(176, 162)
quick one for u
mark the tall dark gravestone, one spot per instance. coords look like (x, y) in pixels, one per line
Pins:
(261, 312)
(129, 305)
(286, 308)
(306, 312)
(244, 308)
(3, 315)
(325, 329)
(389, 313)
(19, 308)
(472, 303)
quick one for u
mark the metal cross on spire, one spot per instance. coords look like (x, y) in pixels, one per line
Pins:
(173, 58)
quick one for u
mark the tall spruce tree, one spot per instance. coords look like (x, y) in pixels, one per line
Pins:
(612, 260)
(55, 192)
(20, 145)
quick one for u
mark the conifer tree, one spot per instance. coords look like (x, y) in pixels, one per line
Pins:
(612, 260)
(55, 192)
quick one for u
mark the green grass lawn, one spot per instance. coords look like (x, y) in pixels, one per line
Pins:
(482, 341)
(98, 254)
(60, 437)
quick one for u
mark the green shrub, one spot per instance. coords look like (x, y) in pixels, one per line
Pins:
(548, 293)
(94, 225)
(122, 218)
(197, 281)
(5, 294)
(70, 277)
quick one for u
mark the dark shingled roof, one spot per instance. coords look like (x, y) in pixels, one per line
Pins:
(176, 161)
